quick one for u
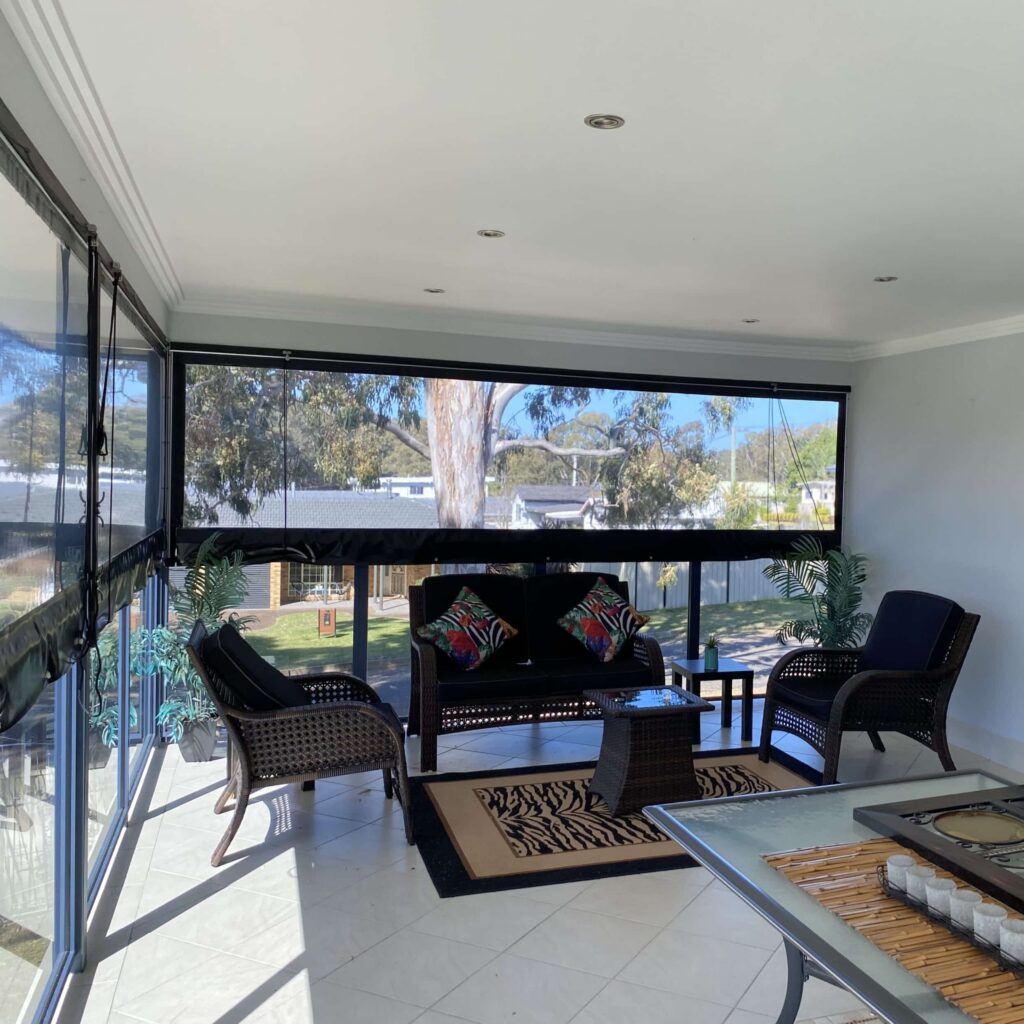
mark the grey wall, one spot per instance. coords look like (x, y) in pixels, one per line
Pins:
(27, 100)
(935, 497)
(305, 336)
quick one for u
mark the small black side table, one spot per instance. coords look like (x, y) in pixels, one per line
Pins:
(693, 671)
(646, 747)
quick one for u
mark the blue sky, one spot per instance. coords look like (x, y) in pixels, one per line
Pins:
(687, 408)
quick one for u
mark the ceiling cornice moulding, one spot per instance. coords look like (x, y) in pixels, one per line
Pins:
(44, 34)
(417, 319)
(984, 331)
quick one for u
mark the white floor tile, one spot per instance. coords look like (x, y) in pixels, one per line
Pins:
(396, 897)
(317, 941)
(302, 1001)
(220, 985)
(407, 968)
(746, 1017)
(492, 920)
(718, 913)
(359, 804)
(693, 965)
(619, 1001)
(512, 990)
(584, 941)
(652, 899)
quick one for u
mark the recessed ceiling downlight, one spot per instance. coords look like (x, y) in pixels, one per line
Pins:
(886, 279)
(750, 320)
(491, 233)
(434, 291)
(605, 122)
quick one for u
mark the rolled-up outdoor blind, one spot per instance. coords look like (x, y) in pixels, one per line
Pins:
(36, 649)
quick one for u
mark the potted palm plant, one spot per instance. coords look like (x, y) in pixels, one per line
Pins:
(214, 584)
(828, 585)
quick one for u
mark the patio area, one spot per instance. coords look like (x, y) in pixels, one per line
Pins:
(323, 913)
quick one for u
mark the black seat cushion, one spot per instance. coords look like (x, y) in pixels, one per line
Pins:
(508, 682)
(258, 685)
(548, 598)
(811, 696)
(592, 675)
(504, 595)
(912, 632)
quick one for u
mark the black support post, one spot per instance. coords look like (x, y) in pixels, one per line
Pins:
(693, 611)
(92, 453)
(360, 618)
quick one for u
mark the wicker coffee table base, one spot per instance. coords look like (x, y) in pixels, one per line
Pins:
(646, 760)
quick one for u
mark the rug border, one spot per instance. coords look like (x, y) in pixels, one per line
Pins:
(450, 877)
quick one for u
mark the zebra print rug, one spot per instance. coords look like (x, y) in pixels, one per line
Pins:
(488, 831)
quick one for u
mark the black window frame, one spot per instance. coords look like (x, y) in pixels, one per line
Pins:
(439, 545)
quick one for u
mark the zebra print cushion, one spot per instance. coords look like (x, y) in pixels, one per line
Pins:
(468, 632)
(603, 622)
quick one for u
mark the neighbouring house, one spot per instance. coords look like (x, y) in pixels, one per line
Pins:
(820, 495)
(536, 506)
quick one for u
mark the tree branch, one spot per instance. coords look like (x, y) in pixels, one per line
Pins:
(500, 398)
(553, 449)
(409, 440)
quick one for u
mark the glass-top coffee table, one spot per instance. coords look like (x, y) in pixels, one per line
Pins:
(730, 837)
(647, 746)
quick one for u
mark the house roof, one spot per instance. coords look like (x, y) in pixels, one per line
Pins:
(562, 493)
(335, 510)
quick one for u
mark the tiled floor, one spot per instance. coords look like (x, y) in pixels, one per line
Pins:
(323, 913)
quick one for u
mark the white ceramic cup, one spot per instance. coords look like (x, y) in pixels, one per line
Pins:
(1011, 938)
(896, 870)
(917, 879)
(987, 919)
(937, 892)
(961, 907)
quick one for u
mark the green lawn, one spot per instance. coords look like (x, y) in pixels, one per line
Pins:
(726, 620)
(293, 641)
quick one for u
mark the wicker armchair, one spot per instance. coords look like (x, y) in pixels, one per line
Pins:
(818, 694)
(344, 728)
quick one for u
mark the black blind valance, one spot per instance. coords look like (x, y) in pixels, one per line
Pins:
(422, 547)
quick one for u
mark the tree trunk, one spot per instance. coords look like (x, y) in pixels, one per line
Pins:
(457, 429)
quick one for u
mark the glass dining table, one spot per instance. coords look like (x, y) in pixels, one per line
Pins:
(731, 837)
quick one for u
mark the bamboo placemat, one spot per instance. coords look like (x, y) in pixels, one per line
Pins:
(844, 880)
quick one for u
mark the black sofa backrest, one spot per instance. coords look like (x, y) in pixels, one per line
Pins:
(548, 598)
(505, 595)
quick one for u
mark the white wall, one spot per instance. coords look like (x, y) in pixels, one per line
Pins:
(24, 96)
(342, 338)
(935, 497)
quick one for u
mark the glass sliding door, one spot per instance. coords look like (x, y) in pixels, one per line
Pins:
(104, 709)
(28, 847)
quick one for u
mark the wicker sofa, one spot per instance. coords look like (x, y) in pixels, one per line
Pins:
(538, 676)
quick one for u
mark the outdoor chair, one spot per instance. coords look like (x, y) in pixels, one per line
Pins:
(294, 728)
(899, 681)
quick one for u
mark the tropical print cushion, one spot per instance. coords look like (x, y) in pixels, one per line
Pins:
(603, 622)
(468, 632)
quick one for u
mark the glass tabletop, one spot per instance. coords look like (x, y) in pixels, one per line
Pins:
(730, 837)
(647, 698)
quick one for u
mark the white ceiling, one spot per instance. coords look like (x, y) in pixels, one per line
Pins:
(330, 160)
